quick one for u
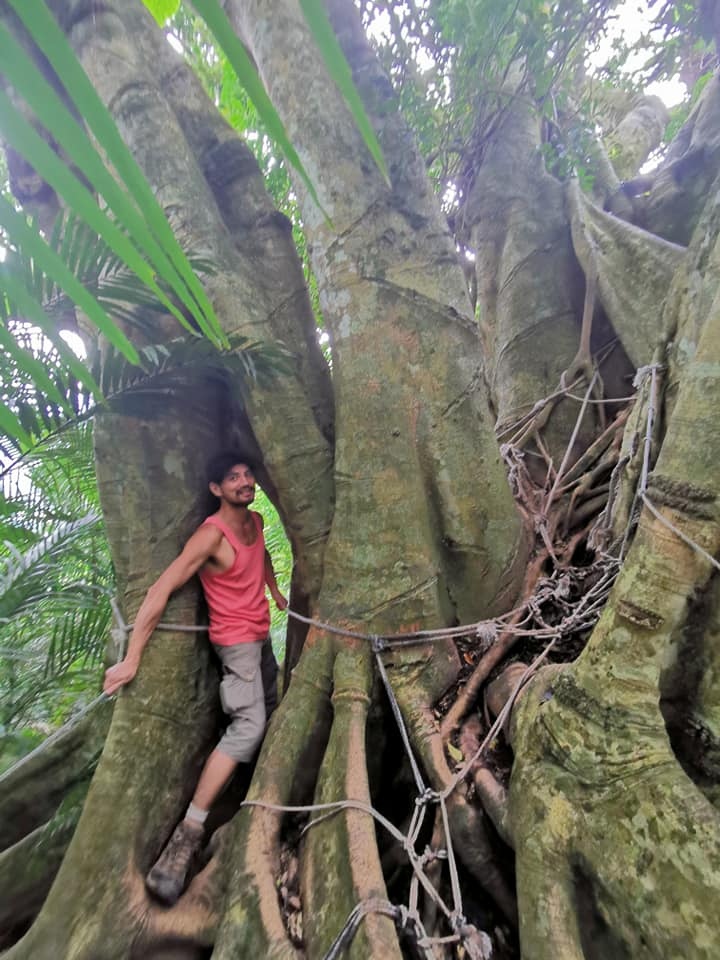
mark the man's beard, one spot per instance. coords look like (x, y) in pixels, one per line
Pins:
(241, 506)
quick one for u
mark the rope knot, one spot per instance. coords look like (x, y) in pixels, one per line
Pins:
(428, 855)
(427, 796)
(643, 372)
(486, 632)
(377, 643)
(477, 944)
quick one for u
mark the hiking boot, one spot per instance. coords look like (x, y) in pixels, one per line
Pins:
(166, 879)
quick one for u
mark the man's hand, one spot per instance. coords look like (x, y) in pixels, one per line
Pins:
(280, 601)
(119, 675)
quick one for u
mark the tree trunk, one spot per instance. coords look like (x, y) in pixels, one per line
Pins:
(395, 497)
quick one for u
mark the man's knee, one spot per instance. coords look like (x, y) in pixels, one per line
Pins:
(244, 735)
(244, 698)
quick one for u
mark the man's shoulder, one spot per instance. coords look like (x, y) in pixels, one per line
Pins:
(209, 529)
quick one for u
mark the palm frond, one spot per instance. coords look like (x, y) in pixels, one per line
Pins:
(54, 589)
(162, 364)
(49, 384)
(27, 577)
(339, 69)
(106, 277)
(146, 242)
(38, 384)
(78, 636)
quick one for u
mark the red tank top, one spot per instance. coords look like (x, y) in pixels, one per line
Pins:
(239, 610)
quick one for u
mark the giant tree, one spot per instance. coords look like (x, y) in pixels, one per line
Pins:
(531, 455)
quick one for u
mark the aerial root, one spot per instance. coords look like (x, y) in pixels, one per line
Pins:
(498, 651)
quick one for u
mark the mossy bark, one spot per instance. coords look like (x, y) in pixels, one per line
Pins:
(401, 517)
(530, 286)
(680, 188)
(59, 766)
(42, 798)
(151, 461)
(393, 297)
(595, 769)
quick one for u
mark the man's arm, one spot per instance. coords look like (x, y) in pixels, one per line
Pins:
(280, 601)
(199, 548)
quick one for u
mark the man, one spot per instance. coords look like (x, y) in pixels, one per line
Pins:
(228, 553)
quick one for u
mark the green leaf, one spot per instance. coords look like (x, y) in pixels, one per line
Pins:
(339, 69)
(78, 635)
(24, 577)
(10, 426)
(31, 366)
(162, 10)
(45, 161)
(219, 25)
(25, 303)
(53, 43)
(51, 111)
(51, 264)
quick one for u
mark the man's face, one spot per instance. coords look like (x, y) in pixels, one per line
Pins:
(238, 486)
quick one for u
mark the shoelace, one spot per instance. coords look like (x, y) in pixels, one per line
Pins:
(181, 848)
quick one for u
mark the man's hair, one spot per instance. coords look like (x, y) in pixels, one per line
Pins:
(219, 466)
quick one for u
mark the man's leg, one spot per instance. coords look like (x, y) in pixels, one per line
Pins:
(269, 670)
(241, 694)
(217, 771)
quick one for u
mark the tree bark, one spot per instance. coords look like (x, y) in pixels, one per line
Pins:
(390, 481)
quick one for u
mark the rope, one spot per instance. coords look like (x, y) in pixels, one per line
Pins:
(640, 376)
(678, 533)
(537, 407)
(425, 796)
(397, 713)
(55, 735)
(641, 492)
(350, 927)
(485, 630)
(126, 628)
(571, 444)
(461, 930)
(403, 918)
(499, 720)
(387, 640)
(330, 809)
(650, 422)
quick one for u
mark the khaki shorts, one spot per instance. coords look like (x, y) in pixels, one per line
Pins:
(248, 694)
